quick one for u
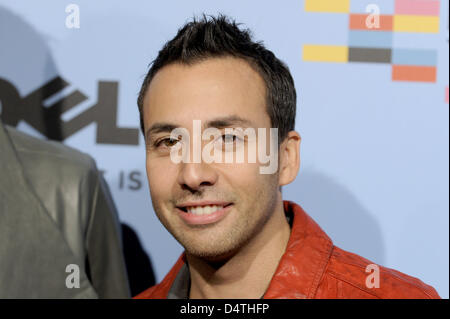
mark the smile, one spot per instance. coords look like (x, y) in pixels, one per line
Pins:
(203, 210)
(203, 213)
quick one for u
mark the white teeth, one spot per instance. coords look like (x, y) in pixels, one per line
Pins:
(203, 210)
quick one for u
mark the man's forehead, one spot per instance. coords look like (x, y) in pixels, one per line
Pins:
(179, 94)
(226, 80)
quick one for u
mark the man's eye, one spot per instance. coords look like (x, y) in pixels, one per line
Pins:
(167, 142)
(229, 138)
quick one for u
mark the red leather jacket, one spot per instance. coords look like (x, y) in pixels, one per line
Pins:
(312, 267)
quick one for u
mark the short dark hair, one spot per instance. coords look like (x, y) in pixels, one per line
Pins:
(211, 37)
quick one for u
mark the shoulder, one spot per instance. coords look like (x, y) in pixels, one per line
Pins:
(55, 152)
(65, 180)
(51, 166)
(353, 276)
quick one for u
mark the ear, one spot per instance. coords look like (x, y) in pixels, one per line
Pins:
(289, 158)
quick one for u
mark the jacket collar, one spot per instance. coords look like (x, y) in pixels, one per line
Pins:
(304, 261)
(300, 269)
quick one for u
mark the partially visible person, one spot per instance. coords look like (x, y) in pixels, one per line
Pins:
(58, 223)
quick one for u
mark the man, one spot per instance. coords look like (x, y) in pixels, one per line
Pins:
(241, 240)
(59, 229)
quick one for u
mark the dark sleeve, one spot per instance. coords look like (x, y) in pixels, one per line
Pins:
(105, 261)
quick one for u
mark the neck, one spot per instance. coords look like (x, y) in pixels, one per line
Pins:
(247, 274)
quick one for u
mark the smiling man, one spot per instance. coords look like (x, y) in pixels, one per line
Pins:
(241, 239)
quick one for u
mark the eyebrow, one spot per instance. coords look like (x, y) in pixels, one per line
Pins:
(220, 122)
(227, 121)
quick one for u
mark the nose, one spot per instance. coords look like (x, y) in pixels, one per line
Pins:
(196, 175)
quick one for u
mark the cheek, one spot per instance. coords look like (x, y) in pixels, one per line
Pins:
(160, 177)
(252, 183)
(255, 193)
(243, 176)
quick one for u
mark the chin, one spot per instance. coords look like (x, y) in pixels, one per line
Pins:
(216, 255)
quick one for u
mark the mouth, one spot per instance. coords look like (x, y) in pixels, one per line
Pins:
(202, 213)
(203, 209)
